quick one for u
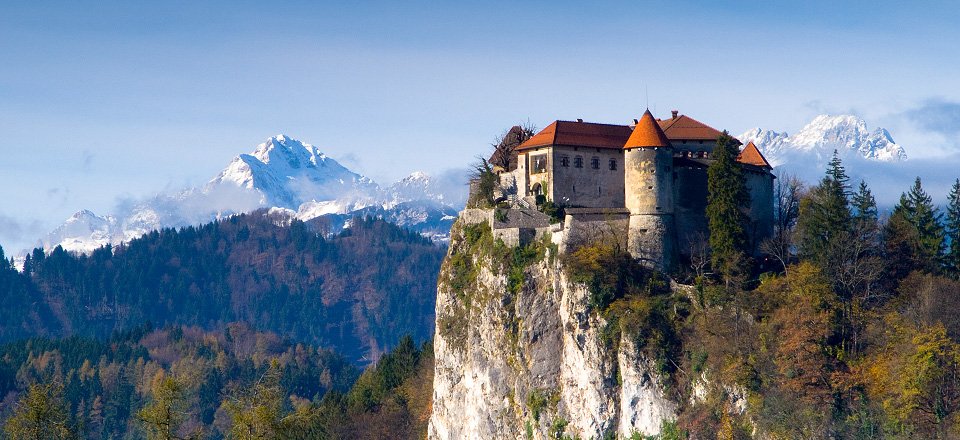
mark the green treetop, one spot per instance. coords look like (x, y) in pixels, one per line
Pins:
(952, 257)
(916, 209)
(726, 196)
(825, 218)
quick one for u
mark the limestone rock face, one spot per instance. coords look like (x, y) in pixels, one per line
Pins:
(519, 353)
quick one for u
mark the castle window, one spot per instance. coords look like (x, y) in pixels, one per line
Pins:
(595, 163)
(538, 163)
(578, 162)
(564, 161)
(613, 164)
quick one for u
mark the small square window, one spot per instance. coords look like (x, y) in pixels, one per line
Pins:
(578, 162)
(613, 164)
(538, 163)
(595, 163)
(564, 161)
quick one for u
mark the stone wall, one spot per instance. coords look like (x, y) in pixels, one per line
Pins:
(587, 186)
(588, 225)
(652, 240)
(472, 216)
(690, 212)
(760, 185)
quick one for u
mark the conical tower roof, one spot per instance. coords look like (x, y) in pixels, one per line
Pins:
(751, 155)
(647, 133)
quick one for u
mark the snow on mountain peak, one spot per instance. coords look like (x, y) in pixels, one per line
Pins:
(848, 134)
(417, 175)
(288, 173)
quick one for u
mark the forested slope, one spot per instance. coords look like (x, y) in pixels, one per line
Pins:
(356, 292)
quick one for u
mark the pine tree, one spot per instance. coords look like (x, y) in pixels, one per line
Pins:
(917, 210)
(825, 219)
(838, 173)
(865, 216)
(726, 197)
(952, 257)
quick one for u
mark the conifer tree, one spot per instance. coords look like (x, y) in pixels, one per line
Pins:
(825, 218)
(952, 257)
(726, 197)
(916, 209)
(865, 216)
(838, 173)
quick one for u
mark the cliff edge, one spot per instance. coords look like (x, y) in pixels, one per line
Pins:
(533, 344)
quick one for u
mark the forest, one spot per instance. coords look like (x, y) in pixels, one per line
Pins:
(356, 291)
(846, 328)
(186, 383)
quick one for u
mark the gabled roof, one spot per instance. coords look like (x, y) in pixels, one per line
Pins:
(685, 128)
(579, 134)
(647, 133)
(751, 155)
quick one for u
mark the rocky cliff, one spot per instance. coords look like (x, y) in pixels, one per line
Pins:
(522, 351)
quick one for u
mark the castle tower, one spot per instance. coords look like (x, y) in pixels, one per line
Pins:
(648, 178)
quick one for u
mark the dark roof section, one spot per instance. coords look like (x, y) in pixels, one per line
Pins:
(579, 134)
(647, 133)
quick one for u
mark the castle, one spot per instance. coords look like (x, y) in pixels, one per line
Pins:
(642, 185)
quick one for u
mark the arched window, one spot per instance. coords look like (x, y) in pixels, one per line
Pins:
(537, 190)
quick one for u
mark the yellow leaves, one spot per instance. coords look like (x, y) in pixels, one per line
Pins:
(913, 373)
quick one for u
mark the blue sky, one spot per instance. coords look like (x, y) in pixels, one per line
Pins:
(101, 101)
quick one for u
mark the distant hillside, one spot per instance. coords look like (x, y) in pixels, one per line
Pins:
(356, 292)
(291, 391)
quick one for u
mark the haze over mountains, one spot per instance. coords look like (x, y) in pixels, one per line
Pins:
(283, 173)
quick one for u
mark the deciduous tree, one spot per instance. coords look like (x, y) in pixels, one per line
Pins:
(39, 415)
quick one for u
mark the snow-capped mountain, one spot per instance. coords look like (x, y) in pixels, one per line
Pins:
(420, 186)
(848, 134)
(282, 173)
(288, 173)
(83, 231)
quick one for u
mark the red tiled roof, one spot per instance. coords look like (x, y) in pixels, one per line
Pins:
(686, 128)
(594, 135)
(647, 133)
(750, 155)
(579, 134)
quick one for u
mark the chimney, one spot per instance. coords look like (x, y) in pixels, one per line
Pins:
(636, 121)
(579, 120)
(674, 113)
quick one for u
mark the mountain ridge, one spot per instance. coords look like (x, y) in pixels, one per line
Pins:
(847, 134)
